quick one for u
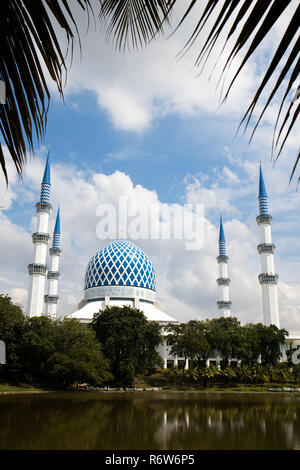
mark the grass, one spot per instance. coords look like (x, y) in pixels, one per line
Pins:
(10, 388)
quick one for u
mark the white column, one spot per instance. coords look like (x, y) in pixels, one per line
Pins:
(268, 278)
(51, 298)
(224, 304)
(38, 269)
(223, 282)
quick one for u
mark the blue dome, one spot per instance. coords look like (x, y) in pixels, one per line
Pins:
(120, 263)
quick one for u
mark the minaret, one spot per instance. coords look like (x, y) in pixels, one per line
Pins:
(268, 279)
(53, 275)
(223, 281)
(38, 269)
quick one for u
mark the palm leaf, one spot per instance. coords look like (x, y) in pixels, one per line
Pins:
(254, 18)
(27, 33)
(28, 39)
(133, 23)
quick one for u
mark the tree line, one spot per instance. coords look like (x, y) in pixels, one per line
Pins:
(228, 339)
(120, 343)
(256, 349)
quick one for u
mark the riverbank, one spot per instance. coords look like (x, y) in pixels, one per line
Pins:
(7, 389)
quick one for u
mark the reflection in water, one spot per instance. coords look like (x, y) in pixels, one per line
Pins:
(150, 421)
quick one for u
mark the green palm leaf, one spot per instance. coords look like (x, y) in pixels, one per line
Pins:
(29, 45)
(29, 42)
(255, 18)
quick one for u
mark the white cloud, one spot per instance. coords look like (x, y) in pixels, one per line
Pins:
(19, 296)
(186, 279)
(136, 88)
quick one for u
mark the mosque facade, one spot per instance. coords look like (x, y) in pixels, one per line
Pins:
(121, 274)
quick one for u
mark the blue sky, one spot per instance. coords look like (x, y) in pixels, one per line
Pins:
(143, 126)
(159, 157)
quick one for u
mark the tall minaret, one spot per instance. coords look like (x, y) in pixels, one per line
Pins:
(38, 269)
(223, 281)
(53, 275)
(268, 279)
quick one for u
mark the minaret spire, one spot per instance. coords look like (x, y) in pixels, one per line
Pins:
(38, 269)
(46, 184)
(56, 233)
(222, 241)
(268, 278)
(223, 281)
(51, 298)
(262, 195)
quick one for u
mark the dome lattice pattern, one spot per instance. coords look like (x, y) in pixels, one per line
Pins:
(120, 263)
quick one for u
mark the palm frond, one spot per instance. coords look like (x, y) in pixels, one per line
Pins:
(254, 18)
(133, 23)
(261, 19)
(27, 39)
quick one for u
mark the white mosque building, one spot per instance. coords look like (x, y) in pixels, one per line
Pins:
(122, 274)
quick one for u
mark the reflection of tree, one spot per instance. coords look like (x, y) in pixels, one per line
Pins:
(52, 422)
(232, 422)
(75, 421)
(149, 421)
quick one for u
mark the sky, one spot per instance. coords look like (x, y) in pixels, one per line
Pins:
(147, 127)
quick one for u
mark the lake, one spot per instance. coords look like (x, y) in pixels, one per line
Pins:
(150, 420)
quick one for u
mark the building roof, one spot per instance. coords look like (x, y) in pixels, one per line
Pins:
(120, 263)
(151, 311)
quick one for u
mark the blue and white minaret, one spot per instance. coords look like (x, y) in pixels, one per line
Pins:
(224, 304)
(51, 298)
(268, 278)
(38, 269)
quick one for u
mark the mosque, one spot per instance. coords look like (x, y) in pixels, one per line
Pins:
(122, 274)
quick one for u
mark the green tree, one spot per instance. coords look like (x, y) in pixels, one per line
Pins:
(189, 340)
(271, 339)
(62, 352)
(38, 344)
(225, 336)
(78, 356)
(249, 347)
(129, 341)
(12, 323)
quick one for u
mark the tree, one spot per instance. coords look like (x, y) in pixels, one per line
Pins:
(224, 336)
(38, 344)
(78, 356)
(270, 340)
(129, 341)
(189, 340)
(56, 352)
(62, 352)
(249, 347)
(30, 43)
(12, 323)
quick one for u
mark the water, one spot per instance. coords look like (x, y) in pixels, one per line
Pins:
(154, 420)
